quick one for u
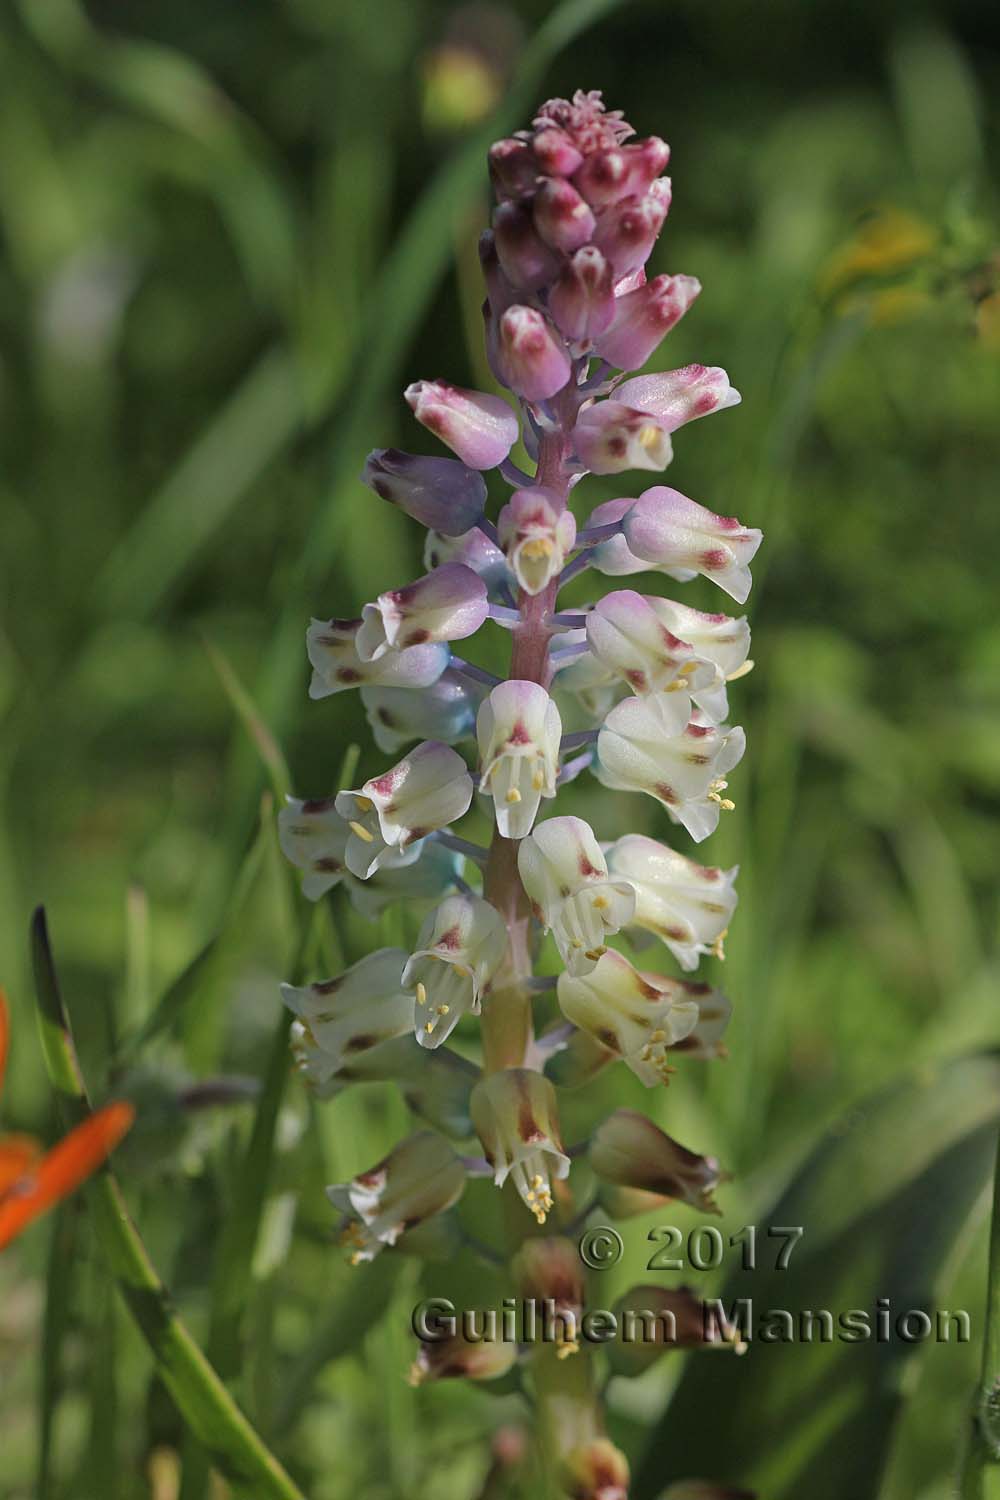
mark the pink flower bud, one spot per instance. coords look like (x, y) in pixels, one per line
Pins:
(679, 396)
(610, 436)
(667, 529)
(563, 219)
(621, 171)
(582, 301)
(446, 605)
(513, 168)
(438, 492)
(534, 361)
(480, 428)
(536, 538)
(555, 153)
(525, 258)
(643, 317)
(626, 232)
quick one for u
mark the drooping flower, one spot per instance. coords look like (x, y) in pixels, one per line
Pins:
(356, 1011)
(626, 231)
(627, 632)
(514, 1114)
(425, 791)
(420, 1177)
(459, 949)
(628, 1150)
(397, 716)
(453, 1357)
(480, 428)
(649, 745)
(664, 527)
(536, 536)
(447, 604)
(566, 878)
(639, 1016)
(687, 905)
(549, 1271)
(531, 355)
(652, 1320)
(518, 730)
(337, 666)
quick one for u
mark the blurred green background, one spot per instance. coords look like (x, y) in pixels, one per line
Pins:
(230, 234)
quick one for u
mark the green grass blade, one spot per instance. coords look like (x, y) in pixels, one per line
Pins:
(202, 1399)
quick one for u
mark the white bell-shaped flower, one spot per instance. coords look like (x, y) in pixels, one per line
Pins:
(428, 789)
(459, 949)
(357, 1010)
(420, 1177)
(446, 604)
(566, 878)
(315, 838)
(639, 1016)
(687, 905)
(515, 1117)
(332, 646)
(649, 745)
(626, 632)
(518, 729)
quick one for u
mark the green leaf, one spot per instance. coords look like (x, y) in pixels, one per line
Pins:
(881, 1202)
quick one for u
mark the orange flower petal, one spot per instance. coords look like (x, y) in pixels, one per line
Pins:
(17, 1154)
(63, 1169)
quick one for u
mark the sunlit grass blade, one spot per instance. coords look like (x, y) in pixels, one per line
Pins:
(203, 1401)
(249, 716)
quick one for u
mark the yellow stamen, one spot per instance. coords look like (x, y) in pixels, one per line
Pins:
(513, 795)
(362, 832)
(649, 436)
(421, 994)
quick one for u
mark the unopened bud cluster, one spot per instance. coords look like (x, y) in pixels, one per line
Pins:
(569, 313)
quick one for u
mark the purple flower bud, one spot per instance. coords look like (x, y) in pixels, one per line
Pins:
(438, 492)
(534, 361)
(609, 437)
(679, 396)
(513, 168)
(582, 301)
(626, 232)
(563, 219)
(480, 428)
(643, 317)
(555, 153)
(525, 258)
(397, 716)
(621, 171)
